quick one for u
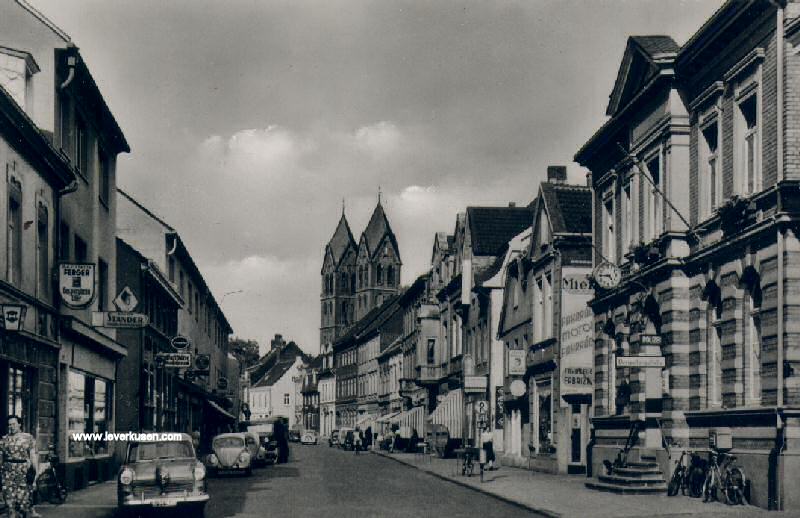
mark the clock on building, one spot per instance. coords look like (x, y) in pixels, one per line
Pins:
(607, 275)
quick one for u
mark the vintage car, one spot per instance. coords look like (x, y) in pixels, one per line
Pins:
(333, 440)
(309, 437)
(260, 451)
(233, 453)
(162, 474)
(294, 434)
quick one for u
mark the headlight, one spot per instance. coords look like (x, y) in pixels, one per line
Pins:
(199, 471)
(127, 476)
(212, 459)
(244, 458)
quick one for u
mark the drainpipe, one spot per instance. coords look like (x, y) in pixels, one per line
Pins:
(72, 60)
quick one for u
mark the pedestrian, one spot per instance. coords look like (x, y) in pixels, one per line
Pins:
(19, 469)
(196, 442)
(487, 442)
(368, 438)
(357, 440)
(623, 397)
(413, 442)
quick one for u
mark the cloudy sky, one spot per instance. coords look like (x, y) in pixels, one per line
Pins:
(251, 120)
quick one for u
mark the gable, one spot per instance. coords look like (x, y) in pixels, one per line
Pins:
(327, 263)
(363, 252)
(644, 58)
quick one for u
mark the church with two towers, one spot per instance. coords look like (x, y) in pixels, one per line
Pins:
(357, 277)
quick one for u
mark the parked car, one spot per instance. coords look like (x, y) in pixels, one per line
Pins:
(294, 435)
(162, 474)
(333, 440)
(233, 452)
(309, 437)
(346, 438)
(260, 449)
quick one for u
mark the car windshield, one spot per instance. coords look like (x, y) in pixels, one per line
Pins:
(228, 442)
(161, 450)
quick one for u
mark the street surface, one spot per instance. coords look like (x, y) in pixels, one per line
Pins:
(319, 481)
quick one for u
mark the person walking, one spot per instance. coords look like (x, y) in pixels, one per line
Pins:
(19, 469)
(357, 440)
(487, 443)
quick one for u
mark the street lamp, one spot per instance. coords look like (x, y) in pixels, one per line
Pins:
(13, 316)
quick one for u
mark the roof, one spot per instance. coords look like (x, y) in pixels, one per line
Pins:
(316, 362)
(569, 207)
(262, 369)
(642, 60)
(372, 321)
(275, 373)
(492, 227)
(377, 228)
(341, 240)
(42, 18)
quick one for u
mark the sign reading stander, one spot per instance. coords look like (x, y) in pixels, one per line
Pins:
(119, 319)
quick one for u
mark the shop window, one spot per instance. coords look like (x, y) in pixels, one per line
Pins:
(544, 392)
(76, 411)
(18, 386)
(88, 411)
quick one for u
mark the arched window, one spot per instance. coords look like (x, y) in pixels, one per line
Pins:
(379, 275)
(390, 275)
(712, 295)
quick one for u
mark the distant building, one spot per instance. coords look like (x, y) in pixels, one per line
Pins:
(272, 390)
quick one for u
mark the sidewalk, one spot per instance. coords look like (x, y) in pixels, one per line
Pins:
(566, 496)
(98, 500)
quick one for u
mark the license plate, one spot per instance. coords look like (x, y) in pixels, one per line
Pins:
(164, 503)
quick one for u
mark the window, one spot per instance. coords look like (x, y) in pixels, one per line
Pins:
(171, 269)
(81, 146)
(714, 356)
(63, 243)
(390, 275)
(609, 238)
(42, 254)
(286, 399)
(753, 345)
(748, 146)
(105, 178)
(654, 220)
(548, 306)
(627, 237)
(379, 275)
(81, 253)
(19, 380)
(14, 236)
(710, 171)
(180, 283)
(538, 310)
(102, 285)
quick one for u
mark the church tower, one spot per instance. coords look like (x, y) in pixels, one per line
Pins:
(337, 311)
(377, 264)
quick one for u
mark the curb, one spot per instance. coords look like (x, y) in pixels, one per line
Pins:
(511, 501)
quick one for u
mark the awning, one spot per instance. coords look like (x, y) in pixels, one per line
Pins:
(224, 413)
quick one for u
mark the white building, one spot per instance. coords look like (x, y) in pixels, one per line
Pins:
(273, 390)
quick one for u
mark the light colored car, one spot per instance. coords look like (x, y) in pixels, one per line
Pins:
(162, 474)
(309, 437)
(259, 450)
(233, 452)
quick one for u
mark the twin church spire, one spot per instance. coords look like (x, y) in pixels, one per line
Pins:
(357, 276)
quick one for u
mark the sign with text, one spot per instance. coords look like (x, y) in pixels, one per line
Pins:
(499, 408)
(650, 340)
(475, 384)
(516, 362)
(641, 361)
(175, 360)
(577, 333)
(119, 319)
(76, 284)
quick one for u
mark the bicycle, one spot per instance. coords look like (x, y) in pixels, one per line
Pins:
(467, 465)
(724, 479)
(48, 485)
(687, 477)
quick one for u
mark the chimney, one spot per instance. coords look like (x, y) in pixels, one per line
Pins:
(557, 174)
(512, 204)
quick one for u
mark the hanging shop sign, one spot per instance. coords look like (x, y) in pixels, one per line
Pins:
(175, 360)
(518, 388)
(76, 284)
(180, 342)
(516, 362)
(577, 334)
(202, 362)
(126, 301)
(119, 319)
(475, 384)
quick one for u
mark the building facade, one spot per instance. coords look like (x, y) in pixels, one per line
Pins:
(273, 382)
(327, 393)
(706, 259)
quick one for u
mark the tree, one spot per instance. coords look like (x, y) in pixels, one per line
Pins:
(246, 351)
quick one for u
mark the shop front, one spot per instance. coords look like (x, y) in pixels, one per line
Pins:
(88, 363)
(540, 377)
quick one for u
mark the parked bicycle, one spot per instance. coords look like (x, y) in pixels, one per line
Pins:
(49, 486)
(687, 477)
(724, 480)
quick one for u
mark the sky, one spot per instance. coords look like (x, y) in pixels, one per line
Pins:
(253, 122)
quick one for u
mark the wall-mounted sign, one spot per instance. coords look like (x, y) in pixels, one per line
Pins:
(650, 340)
(202, 362)
(516, 362)
(641, 361)
(180, 342)
(577, 334)
(126, 300)
(518, 388)
(119, 319)
(475, 384)
(76, 284)
(175, 360)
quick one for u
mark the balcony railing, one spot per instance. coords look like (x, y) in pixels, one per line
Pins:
(431, 373)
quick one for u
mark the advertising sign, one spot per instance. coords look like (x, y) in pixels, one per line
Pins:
(516, 362)
(499, 409)
(76, 284)
(577, 334)
(175, 360)
(180, 342)
(119, 319)
(475, 384)
(641, 361)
